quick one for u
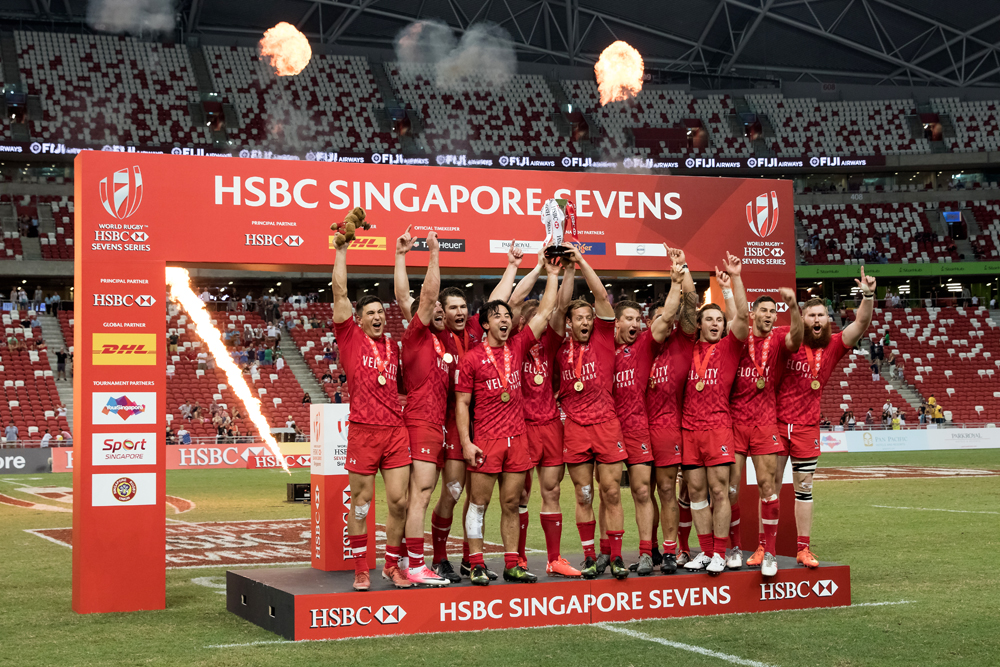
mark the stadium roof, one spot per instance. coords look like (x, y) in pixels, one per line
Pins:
(904, 42)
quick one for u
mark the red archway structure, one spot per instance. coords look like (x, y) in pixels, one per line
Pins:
(136, 212)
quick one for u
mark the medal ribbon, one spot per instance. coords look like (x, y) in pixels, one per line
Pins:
(535, 361)
(461, 342)
(763, 357)
(438, 347)
(578, 363)
(505, 376)
(571, 220)
(381, 365)
(701, 363)
(814, 362)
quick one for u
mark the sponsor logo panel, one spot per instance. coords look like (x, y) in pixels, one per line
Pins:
(445, 245)
(501, 247)
(133, 407)
(118, 490)
(124, 300)
(123, 449)
(640, 250)
(273, 240)
(124, 349)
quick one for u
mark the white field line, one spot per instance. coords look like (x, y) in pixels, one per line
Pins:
(933, 509)
(733, 659)
(46, 537)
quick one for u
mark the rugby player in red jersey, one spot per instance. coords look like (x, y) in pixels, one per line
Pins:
(427, 369)
(634, 352)
(592, 432)
(707, 451)
(755, 429)
(664, 397)
(802, 381)
(489, 375)
(376, 439)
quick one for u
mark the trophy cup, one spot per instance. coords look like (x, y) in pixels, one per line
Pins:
(557, 214)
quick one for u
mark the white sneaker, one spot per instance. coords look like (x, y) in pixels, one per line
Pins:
(717, 564)
(698, 562)
(734, 559)
(769, 566)
(424, 576)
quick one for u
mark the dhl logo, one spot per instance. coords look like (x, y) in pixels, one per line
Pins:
(364, 243)
(124, 349)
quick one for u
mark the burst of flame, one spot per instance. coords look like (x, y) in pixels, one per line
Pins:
(287, 48)
(181, 292)
(619, 73)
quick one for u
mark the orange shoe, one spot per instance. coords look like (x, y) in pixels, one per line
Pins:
(757, 558)
(398, 579)
(560, 567)
(806, 557)
(362, 582)
(522, 562)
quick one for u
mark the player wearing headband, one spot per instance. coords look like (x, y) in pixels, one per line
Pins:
(805, 373)
(707, 428)
(376, 439)
(489, 376)
(755, 428)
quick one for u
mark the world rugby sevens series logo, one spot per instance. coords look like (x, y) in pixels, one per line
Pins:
(763, 215)
(125, 195)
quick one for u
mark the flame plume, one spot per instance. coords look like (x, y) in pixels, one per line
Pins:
(181, 292)
(619, 73)
(287, 48)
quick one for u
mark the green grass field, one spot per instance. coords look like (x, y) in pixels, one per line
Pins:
(941, 563)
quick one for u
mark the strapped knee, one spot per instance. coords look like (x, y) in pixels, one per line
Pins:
(361, 511)
(474, 521)
(700, 505)
(455, 489)
(587, 492)
(804, 466)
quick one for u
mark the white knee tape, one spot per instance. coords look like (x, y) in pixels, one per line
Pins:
(455, 489)
(474, 521)
(700, 505)
(588, 493)
(361, 511)
(733, 490)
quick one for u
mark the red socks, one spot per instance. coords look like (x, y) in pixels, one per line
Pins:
(803, 542)
(465, 551)
(669, 547)
(523, 536)
(646, 547)
(734, 526)
(760, 536)
(415, 552)
(614, 543)
(769, 510)
(606, 544)
(684, 526)
(476, 559)
(359, 549)
(509, 559)
(440, 529)
(392, 555)
(586, 530)
(552, 527)
(707, 544)
(720, 545)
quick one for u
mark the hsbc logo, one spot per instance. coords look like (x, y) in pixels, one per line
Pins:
(122, 197)
(782, 307)
(824, 588)
(390, 614)
(292, 240)
(762, 214)
(126, 300)
(113, 235)
(789, 590)
(342, 617)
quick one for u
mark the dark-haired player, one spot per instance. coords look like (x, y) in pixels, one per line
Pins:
(489, 376)
(707, 428)
(376, 439)
(592, 432)
(755, 428)
(799, 393)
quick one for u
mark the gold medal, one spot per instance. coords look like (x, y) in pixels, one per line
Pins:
(505, 397)
(700, 386)
(539, 378)
(381, 380)
(448, 358)
(652, 382)
(760, 383)
(578, 386)
(815, 385)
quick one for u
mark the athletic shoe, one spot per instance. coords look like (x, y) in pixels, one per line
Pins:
(478, 576)
(806, 557)
(684, 558)
(398, 579)
(717, 564)
(645, 565)
(519, 575)
(698, 562)
(426, 577)
(657, 556)
(603, 560)
(588, 568)
(769, 566)
(362, 582)
(522, 563)
(491, 574)
(734, 558)
(465, 568)
(444, 569)
(618, 569)
(669, 564)
(632, 567)
(560, 567)
(758, 556)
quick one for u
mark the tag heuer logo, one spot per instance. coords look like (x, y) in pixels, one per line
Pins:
(390, 614)
(824, 588)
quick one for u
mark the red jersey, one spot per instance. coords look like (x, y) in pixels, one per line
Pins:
(632, 366)
(749, 405)
(425, 374)
(798, 402)
(539, 399)
(709, 408)
(665, 399)
(458, 344)
(595, 403)
(478, 376)
(371, 402)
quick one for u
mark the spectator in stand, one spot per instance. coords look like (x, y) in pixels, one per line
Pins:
(13, 296)
(851, 421)
(47, 439)
(202, 357)
(39, 298)
(327, 378)
(13, 343)
(342, 378)
(279, 359)
(35, 324)
(67, 438)
(892, 364)
(290, 423)
(886, 412)
(870, 418)
(875, 372)
(196, 413)
(22, 297)
(300, 436)
(205, 296)
(54, 306)
(307, 398)
(244, 357)
(41, 345)
(171, 437)
(185, 410)
(337, 396)
(61, 357)
(993, 303)
(899, 368)
(843, 418)
(60, 411)
(901, 417)
(824, 422)
(888, 298)
(938, 414)
(172, 341)
(922, 415)
(895, 423)
(273, 334)
(268, 356)
(183, 436)
(11, 433)
(328, 352)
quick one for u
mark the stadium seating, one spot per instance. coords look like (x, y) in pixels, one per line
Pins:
(30, 395)
(104, 89)
(331, 104)
(986, 244)
(976, 126)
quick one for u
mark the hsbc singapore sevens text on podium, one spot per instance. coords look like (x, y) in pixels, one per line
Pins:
(331, 491)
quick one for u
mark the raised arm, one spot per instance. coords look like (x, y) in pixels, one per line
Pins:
(689, 297)
(502, 292)
(863, 315)
(558, 318)
(793, 339)
(402, 281)
(342, 310)
(602, 307)
(432, 282)
(540, 320)
(740, 325)
(663, 325)
(524, 287)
